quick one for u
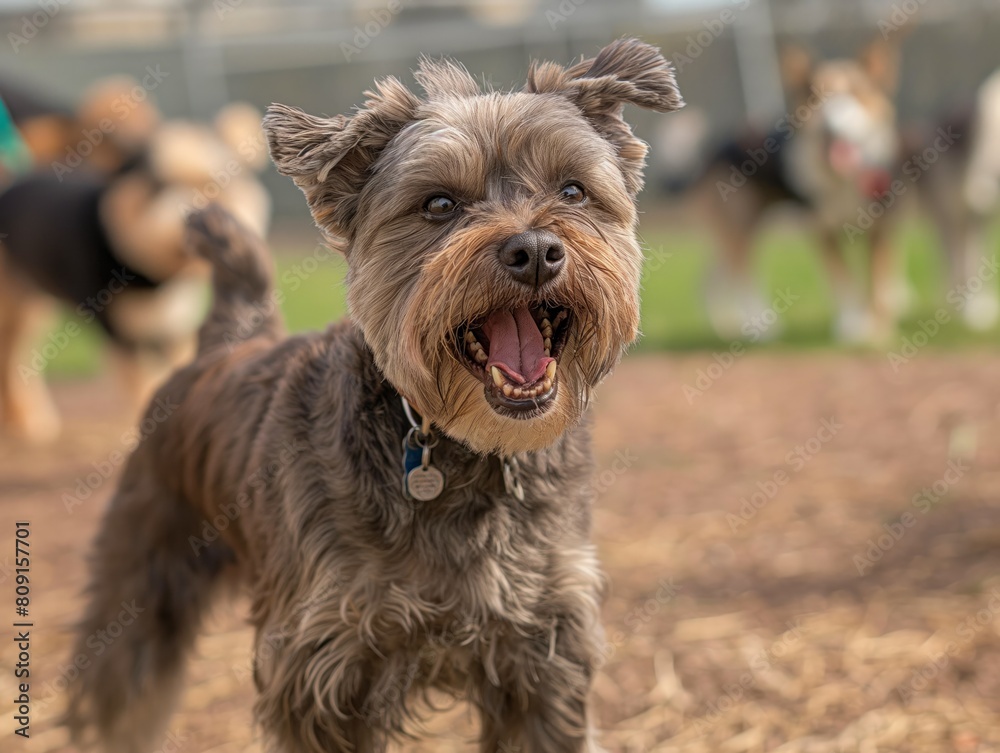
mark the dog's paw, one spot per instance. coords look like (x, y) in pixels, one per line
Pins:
(857, 327)
(982, 310)
(36, 424)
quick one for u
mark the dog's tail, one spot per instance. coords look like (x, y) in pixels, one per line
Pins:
(157, 565)
(244, 305)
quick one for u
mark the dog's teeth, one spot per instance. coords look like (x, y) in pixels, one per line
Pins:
(497, 377)
(481, 357)
(508, 390)
(550, 370)
(559, 318)
(546, 384)
(518, 393)
(469, 337)
(548, 343)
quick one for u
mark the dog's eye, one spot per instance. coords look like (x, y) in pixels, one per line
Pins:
(572, 193)
(440, 206)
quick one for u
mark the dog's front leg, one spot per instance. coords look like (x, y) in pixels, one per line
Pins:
(540, 705)
(316, 698)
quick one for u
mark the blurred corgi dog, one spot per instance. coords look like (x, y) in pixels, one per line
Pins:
(834, 155)
(106, 237)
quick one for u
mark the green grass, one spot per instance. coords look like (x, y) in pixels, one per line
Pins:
(673, 310)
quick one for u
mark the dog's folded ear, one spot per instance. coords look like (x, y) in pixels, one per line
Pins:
(625, 72)
(328, 158)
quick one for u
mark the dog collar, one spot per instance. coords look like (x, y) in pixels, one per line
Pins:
(421, 480)
(424, 482)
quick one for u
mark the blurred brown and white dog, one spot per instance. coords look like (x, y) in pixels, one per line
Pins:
(834, 154)
(104, 234)
(493, 282)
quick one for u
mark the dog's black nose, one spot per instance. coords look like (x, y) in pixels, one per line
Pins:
(533, 257)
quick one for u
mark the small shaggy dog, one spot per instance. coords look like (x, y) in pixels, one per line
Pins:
(405, 495)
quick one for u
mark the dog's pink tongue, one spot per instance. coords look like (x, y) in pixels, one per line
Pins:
(876, 184)
(516, 345)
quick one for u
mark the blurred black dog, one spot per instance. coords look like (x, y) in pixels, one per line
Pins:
(110, 244)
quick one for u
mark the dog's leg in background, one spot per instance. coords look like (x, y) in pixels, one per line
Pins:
(147, 578)
(852, 323)
(159, 329)
(883, 276)
(26, 407)
(976, 277)
(733, 296)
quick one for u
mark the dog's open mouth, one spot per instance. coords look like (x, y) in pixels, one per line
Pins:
(515, 353)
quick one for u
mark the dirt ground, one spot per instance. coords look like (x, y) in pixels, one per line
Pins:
(804, 555)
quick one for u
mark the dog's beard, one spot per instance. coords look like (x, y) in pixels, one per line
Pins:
(525, 389)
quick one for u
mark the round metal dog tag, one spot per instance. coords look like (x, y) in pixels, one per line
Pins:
(425, 484)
